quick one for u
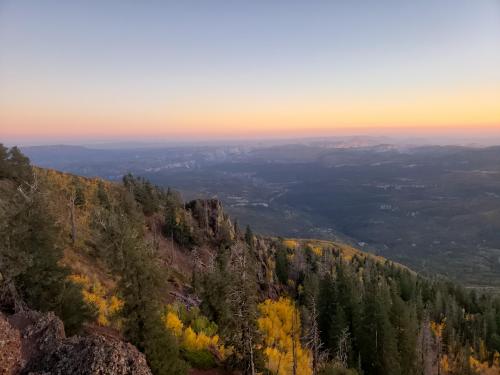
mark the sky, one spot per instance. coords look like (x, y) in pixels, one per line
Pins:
(266, 68)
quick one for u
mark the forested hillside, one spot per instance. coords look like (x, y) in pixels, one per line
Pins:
(193, 291)
(414, 205)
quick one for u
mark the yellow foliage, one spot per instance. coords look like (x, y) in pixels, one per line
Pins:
(80, 279)
(290, 244)
(317, 250)
(437, 328)
(483, 367)
(198, 341)
(61, 187)
(115, 305)
(483, 351)
(496, 359)
(449, 365)
(474, 362)
(173, 323)
(279, 323)
(94, 294)
(191, 340)
(445, 364)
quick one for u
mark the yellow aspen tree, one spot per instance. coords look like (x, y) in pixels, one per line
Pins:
(279, 323)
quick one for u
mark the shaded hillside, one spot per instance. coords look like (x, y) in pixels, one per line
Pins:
(189, 288)
(434, 209)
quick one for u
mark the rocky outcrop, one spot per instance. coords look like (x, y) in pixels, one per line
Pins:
(35, 343)
(89, 355)
(209, 213)
(10, 348)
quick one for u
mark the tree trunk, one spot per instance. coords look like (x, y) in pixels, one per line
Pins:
(252, 364)
(294, 349)
(18, 304)
(72, 218)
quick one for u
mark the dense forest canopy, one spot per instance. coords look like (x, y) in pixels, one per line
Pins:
(189, 288)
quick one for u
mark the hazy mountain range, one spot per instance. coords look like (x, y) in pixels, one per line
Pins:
(434, 208)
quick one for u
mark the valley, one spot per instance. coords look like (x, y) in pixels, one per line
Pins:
(147, 282)
(433, 208)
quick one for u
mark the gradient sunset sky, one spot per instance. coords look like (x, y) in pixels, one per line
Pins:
(143, 69)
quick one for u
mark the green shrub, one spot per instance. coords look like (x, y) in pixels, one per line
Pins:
(334, 370)
(200, 359)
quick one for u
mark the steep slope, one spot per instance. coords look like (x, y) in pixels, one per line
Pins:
(185, 284)
(74, 200)
(434, 209)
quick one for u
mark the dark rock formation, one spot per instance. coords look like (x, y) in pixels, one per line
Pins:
(209, 213)
(10, 348)
(35, 343)
(89, 355)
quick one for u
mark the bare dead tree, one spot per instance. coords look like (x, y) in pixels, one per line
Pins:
(197, 263)
(155, 229)
(205, 203)
(72, 216)
(252, 361)
(427, 357)
(211, 263)
(342, 348)
(32, 188)
(243, 308)
(294, 342)
(313, 341)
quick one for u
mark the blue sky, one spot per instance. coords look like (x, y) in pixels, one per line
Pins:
(87, 66)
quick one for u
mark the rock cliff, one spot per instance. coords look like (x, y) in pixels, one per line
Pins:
(35, 343)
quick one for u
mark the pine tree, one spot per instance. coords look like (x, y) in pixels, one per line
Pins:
(179, 225)
(4, 164)
(102, 196)
(326, 309)
(30, 256)
(282, 266)
(80, 199)
(215, 292)
(249, 238)
(404, 321)
(120, 235)
(147, 195)
(378, 343)
(143, 327)
(19, 166)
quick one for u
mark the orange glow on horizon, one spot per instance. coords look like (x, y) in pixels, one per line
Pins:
(246, 70)
(472, 111)
(213, 133)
